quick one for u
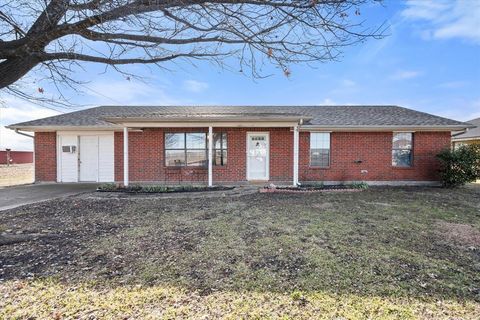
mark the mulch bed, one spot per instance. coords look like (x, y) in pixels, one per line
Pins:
(161, 189)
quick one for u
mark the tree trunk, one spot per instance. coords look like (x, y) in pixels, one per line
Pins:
(13, 69)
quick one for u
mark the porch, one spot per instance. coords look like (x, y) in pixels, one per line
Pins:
(258, 150)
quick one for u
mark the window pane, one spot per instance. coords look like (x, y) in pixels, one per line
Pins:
(402, 140)
(174, 141)
(320, 157)
(196, 158)
(219, 157)
(196, 140)
(320, 149)
(319, 140)
(402, 158)
(224, 138)
(219, 140)
(174, 157)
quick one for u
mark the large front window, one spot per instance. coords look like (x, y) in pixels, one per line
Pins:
(320, 149)
(190, 149)
(402, 149)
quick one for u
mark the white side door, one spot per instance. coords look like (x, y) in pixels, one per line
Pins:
(88, 158)
(258, 150)
(106, 158)
(68, 158)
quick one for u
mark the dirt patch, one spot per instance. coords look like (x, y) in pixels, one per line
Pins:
(16, 174)
(461, 234)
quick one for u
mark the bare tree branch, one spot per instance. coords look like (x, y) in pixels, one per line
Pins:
(58, 35)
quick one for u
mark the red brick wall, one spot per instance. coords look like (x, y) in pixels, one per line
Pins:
(374, 150)
(146, 157)
(45, 145)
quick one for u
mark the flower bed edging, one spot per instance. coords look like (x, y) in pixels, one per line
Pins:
(160, 189)
(305, 190)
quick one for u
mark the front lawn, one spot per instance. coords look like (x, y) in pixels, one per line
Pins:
(391, 253)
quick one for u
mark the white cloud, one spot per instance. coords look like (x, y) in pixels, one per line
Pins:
(452, 84)
(446, 19)
(100, 93)
(124, 92)
(16, 110)
(327, 102)
(195, 86)
(348, 83)
(405, 74)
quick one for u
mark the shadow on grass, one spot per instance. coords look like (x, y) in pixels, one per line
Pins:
(380, 243)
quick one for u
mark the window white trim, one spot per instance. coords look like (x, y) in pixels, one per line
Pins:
(329, 149)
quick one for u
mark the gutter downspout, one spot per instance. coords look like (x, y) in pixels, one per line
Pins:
(24, 134)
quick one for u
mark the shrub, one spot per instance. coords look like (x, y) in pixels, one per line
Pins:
(107, 187)
(359, 185)
(460, 166)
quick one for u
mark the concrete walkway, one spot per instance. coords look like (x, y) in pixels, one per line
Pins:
(12, 197)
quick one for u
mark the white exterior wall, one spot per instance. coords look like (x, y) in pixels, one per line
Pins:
(68, 168)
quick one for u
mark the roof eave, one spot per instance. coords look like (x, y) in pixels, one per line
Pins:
(384, 128)
(58, 128)
(457, 139)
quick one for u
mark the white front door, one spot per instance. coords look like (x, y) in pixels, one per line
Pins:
(89, 158)
(258, 156)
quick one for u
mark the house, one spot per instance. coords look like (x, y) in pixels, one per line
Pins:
(235, 145)
(471, 136)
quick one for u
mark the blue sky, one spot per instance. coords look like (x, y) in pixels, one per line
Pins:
(429, 62)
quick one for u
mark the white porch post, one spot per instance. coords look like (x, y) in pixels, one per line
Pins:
(125, 156)
(210, 154)
(295, 154)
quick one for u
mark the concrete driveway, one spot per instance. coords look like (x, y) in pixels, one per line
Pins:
(11, 197)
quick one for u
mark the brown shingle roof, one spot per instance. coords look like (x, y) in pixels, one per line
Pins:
(329, 116)
(471, 134)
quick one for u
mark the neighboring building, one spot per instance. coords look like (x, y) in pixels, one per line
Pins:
(471, 136)
(16, 157)
(171, 145)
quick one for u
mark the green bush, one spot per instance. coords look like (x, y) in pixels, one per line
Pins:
(359, 185)
(460, 166)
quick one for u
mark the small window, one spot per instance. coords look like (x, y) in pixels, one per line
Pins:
(219, 148)
(320, 149)
(402, 149)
